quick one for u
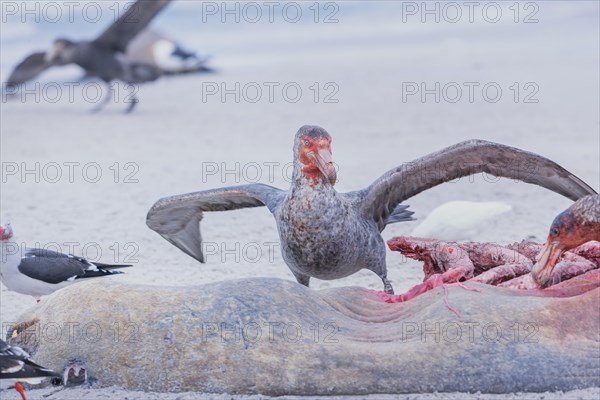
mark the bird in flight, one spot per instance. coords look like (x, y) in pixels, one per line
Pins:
(104, 57)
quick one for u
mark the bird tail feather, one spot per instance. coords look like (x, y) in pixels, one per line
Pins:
(111, 266)
(400, 214)
(93, 273)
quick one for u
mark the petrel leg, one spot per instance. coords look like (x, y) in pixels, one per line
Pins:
(105, 100)
(302, 279)
(19, 388)
(387, 286)
(133, 99)
(380, 269)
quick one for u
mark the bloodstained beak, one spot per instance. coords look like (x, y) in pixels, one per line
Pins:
(546, 261)
(2, 233)
(325, 164)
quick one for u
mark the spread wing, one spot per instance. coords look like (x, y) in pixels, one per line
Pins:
(177, 218)
(33, 65)
(463, 159)
(136, 18)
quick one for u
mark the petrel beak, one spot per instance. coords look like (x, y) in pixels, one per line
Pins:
(546, 261)
(325, 164)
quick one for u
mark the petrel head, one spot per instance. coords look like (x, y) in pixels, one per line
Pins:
(6, 232)
(566, 232)
(312, 147)
(61, 52)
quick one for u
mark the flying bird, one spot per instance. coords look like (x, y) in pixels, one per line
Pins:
(102, 57)
(40, 272)
(16, 365)
(329, 235)
(573, 227)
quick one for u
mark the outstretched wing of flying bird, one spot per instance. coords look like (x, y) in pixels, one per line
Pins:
(33, 65)
(464, 159)
(177, 218)
(130, 23)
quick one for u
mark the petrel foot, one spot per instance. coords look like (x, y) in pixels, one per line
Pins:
(132, 105)
(434, 281)
(75, 374)
(132, 100)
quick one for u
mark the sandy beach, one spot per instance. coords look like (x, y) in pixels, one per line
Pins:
(83, 183)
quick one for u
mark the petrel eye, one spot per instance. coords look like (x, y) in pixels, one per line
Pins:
(306, 143)
(555, 231)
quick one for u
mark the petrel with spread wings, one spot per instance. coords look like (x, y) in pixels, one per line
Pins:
(328, 235)
(102, 57)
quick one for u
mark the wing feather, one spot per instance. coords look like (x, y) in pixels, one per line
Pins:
(45, 266)
(464, 159)
(177, 218)
(33, 65)
(135, 19)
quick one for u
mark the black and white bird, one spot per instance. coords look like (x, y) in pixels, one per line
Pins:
(328, 235)
(16, 365)
(40, 272)
(153, 48)
(103, 57)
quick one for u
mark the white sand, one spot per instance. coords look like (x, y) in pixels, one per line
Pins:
(174, 136)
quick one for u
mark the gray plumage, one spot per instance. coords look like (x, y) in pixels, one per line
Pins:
(464, 159)
(53, 267)
(328, 235)
(33, 65)
(177, 218)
